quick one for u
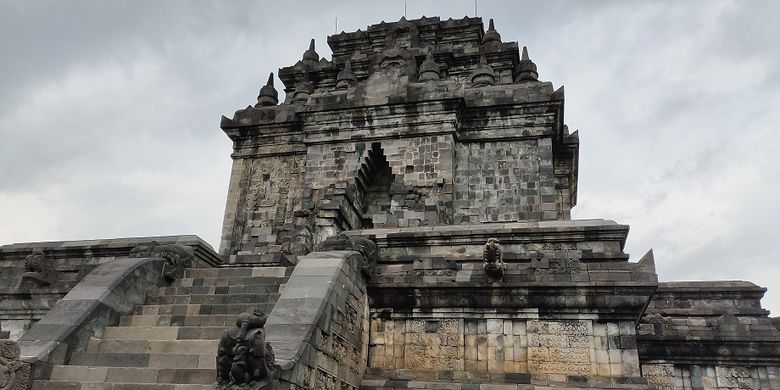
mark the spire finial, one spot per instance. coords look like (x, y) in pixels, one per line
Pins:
(268, 95)
(303, 89)
(429, 69)
(483, 74)
(491, 35)
(346, 77)
(310, 57)
(526, 69)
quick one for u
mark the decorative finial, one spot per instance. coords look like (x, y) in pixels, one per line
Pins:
(310, 57)
(303, 89)
(429, 69)
(483, 74)
(525, 71)
(268, 95)
(491, 35)
(346, 77)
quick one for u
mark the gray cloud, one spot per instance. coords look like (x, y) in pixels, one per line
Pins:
(109, 114)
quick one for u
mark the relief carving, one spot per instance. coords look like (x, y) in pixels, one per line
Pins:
(244, 359)
(40, 270)
(735, 377)
(14, 374)
(660, 375)
(559, 347)
(177, 257)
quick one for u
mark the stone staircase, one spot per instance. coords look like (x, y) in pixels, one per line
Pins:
(170, 342)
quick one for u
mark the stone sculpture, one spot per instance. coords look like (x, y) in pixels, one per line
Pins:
(244, 359)
(14, 374)
(177, 257)
(366, 247)
(40, 270)
(493, 258)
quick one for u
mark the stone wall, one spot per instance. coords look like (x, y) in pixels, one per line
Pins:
(479, 343)
(23, 305)
(709, 335)
(564, 310)
(706, 377)
(505, 181)
(264, 193)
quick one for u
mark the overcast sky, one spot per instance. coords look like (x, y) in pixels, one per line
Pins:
(109, 114)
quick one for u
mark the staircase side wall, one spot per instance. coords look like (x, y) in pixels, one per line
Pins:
(23, 304)
(319, 326)
(109, 291)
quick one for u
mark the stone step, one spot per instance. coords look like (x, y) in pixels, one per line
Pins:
(142, 346)
(223, 320)
(279, 272)
(212, 299)
(158, 360)
(163, 332)
(200, 376)
(196, 309)
(70, 385)
(251, 289)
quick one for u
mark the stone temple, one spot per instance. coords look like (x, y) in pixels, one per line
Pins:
(398, 217)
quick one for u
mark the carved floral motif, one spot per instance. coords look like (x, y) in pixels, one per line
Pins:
(14, 374)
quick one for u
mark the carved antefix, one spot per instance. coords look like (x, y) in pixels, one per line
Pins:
(14, 374)
(177, 257)
(366, 247)
(493, 258)
(244, 359)
(40, 270)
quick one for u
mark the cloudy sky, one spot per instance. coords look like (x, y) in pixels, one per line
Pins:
(109, 114)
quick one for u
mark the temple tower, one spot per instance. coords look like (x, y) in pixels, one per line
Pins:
(413, 123)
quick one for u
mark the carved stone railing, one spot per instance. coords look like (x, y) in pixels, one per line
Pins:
(98, 300)
(317, 333)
